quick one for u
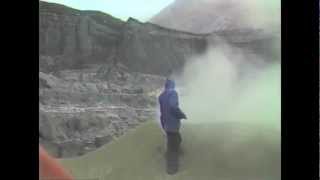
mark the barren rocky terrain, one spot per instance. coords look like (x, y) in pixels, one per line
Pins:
(99, 77)
(80, 112)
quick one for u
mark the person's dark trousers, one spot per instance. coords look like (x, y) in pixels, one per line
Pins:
(173, 149)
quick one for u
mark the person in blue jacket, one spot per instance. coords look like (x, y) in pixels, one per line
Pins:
(171, 116)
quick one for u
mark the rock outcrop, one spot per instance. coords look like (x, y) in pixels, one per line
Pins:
(152, 49)
(208, 16)
(74, 38)
(79, 112)
(203, 16)
(79, 37)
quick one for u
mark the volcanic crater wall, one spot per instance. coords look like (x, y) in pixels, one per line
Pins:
(73, 38)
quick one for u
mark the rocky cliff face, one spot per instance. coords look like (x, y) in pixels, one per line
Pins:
(153, 49)
(73, 38)
(207, 16)
(203, 16)
(79, 112)
(77, 37)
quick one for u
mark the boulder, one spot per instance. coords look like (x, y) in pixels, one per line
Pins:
(101, 140)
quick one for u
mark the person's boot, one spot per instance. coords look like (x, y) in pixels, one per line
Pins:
(172, 165)
(171, 170)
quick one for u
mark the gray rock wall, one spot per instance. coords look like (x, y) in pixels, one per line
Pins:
(152, 49)
(76, 37)
(80, 36)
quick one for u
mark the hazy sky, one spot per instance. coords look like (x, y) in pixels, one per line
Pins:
(142, 10)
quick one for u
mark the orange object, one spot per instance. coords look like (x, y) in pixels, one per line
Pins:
(50, 168)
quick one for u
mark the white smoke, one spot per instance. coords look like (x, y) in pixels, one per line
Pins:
(225, 85)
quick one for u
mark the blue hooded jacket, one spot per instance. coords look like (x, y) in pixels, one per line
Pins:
(169, 108)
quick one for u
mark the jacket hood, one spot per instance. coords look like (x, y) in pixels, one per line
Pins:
(169, 84)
